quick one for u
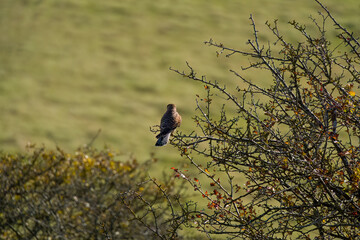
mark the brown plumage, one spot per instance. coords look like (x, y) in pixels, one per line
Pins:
(169, 122)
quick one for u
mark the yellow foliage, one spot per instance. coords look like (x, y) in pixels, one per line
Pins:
(68, 193)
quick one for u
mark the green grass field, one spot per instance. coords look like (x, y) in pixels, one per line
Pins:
(71, 67)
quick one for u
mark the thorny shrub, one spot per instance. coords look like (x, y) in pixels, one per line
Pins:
(281, 160)
(89, 194)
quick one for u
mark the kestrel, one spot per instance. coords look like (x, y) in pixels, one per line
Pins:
(169, 122)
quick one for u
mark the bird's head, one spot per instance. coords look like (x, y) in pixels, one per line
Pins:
(171, 106)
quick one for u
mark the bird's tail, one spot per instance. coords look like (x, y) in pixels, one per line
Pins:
(162, 139)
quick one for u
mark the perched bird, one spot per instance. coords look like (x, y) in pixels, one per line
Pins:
(169, 122)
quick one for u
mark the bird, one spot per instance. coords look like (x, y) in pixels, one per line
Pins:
(169, 122)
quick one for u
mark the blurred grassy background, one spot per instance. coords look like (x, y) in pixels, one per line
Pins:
(71, 67)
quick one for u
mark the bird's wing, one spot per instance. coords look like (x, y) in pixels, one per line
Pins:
(178, 120)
